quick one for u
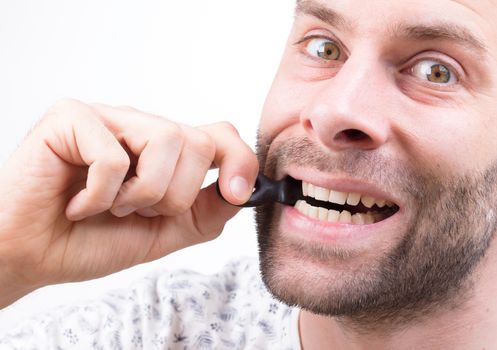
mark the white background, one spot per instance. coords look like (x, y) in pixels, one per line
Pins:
(196, 61)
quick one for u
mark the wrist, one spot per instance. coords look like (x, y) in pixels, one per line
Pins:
(14, 286)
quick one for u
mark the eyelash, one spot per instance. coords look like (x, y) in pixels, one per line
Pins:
(411, 65)
(313, 36)
(308, 38)
(451, 67)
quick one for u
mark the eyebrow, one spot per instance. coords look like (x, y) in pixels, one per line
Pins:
(322, 13)
(441, 31)
(421, 32)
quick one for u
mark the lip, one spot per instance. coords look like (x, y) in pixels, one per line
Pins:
(343, 184)
(346, 236)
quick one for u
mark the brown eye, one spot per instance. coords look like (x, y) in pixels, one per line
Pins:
(434, 72)
(323, 48)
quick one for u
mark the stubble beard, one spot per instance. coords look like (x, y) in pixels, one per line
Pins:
(451, 226)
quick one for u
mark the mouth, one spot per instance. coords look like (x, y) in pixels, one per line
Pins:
(330, 205)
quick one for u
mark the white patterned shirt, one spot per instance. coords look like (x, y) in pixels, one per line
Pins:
(170, 310)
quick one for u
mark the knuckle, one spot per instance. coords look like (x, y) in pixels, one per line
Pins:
(228, 127)
(204, 144)
(111, 149)
(172, 132)
(58, 108)
(128, 108)
(65, 109)
(119, 163)
(50, 114)
(66, 102)
(148, 194)
(64, 105)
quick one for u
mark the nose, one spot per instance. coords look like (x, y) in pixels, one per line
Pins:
(350, 109)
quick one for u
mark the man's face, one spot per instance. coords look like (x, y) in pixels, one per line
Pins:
(395, 103)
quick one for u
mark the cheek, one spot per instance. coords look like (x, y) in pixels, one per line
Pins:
(281, 109)
(284, 102)
(448, 143)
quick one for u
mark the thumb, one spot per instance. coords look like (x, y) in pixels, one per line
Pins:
(210, 212)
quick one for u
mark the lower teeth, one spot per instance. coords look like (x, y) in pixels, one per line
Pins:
(344, 216)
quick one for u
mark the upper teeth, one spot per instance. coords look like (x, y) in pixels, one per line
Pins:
(351, 198)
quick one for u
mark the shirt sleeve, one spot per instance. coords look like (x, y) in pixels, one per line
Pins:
(167, 310)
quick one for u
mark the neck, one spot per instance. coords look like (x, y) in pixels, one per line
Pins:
(471, 325)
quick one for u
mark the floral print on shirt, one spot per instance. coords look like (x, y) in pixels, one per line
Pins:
(170, 310)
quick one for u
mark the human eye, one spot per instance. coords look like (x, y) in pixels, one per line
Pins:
(435, 72)
(322, 48)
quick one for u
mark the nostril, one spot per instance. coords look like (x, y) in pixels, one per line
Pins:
(352, 135)
(308, 125)
(355, 135)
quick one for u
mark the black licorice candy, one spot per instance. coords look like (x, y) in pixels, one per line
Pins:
(285, 191)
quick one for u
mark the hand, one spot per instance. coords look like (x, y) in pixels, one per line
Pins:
(95, 189)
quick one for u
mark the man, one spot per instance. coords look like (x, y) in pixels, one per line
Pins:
(383, 110)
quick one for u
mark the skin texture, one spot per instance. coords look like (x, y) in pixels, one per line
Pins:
(424, 281)
(95, 189)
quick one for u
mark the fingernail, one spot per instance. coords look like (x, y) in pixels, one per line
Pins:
(239, 188)
(123, 210)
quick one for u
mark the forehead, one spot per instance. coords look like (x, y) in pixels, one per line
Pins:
(478, 16)
(477, 5)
